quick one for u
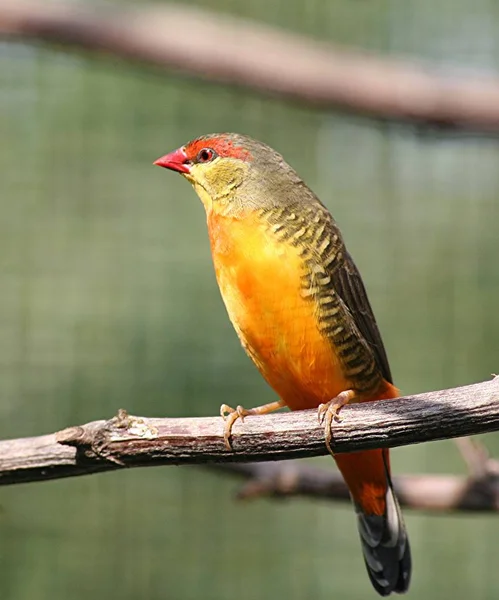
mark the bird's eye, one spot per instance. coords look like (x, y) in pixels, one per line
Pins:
(205, 155)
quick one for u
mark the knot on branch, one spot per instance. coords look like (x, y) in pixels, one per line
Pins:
(101, 439)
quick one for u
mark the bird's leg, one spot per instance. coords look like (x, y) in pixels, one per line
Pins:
(230, 416)
(329, 412)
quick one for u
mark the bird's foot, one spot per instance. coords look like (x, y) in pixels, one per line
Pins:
(231, 415)
(329, 412)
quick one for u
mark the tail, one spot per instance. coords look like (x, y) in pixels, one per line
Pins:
(382, 531)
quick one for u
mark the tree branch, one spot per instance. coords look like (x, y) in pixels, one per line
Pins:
(260, 58)
(127, 441)
(436, 493)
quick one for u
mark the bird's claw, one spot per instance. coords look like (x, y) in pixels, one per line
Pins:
(329, 412)
(230, 416)
(329, 409)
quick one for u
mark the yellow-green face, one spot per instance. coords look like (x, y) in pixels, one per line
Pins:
(216, 182)
(216, 165)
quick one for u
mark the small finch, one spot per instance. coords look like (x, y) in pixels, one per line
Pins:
(300, 309)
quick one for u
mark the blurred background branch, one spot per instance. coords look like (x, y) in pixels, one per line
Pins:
(270, 61)
(137, 441)
(437, 493)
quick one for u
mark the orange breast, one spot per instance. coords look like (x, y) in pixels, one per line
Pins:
(260, 281)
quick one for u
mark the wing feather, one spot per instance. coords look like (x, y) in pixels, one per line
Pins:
(349, 286)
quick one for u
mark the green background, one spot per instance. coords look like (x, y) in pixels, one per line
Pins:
(108, 300)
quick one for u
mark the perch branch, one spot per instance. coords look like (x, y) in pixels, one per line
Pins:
(127, 441)
(263, 59)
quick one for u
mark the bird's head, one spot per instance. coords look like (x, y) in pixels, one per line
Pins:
(233, 173)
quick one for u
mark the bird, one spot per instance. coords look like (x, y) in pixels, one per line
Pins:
(299, 306)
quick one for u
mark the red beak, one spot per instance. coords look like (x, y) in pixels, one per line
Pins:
(176, 161)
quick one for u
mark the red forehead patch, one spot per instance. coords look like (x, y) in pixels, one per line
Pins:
(224, 147)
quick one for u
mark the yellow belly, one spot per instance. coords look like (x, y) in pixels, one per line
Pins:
(260, 281)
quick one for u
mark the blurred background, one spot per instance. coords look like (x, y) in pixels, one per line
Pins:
(108, 300)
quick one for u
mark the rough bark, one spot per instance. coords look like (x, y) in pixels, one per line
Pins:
(127, 441)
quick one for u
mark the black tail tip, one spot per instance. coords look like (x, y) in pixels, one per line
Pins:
(396, 582)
